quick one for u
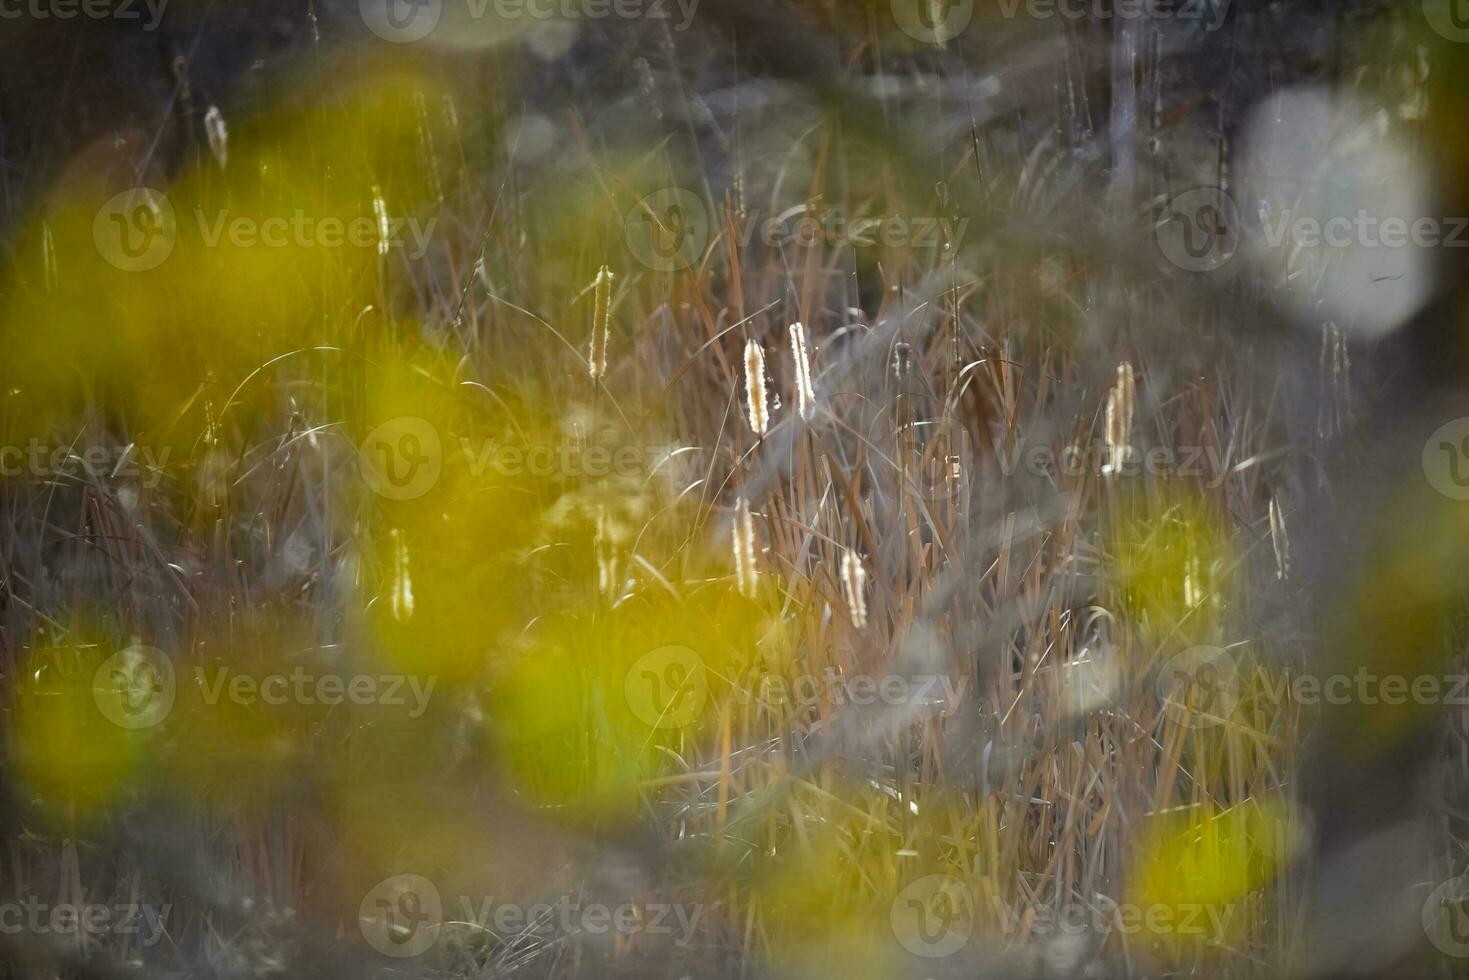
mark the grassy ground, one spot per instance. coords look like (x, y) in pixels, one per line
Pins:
(394, 634)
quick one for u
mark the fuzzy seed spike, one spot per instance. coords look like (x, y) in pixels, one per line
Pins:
(755, 396)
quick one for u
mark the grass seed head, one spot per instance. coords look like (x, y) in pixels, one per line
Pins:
(755, 388)
(384, 223)
(1278, 538)
(854, 587)
(1119, 419)
(805, 392)
(601, 313)
(401, 600)
(747, 575)
(219, 135)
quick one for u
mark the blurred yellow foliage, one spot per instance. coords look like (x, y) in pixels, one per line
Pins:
(1198, 869)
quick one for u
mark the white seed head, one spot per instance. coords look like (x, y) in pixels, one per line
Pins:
(1279, 539)
(401, 599)
(1120, 403)
(854, 587)
(384, 223)
(747, 574)
(601, 314)
(903, 360)
(755, 388)
(219, 135)
(805, 393)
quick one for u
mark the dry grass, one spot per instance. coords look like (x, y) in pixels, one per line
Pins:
(930, 466)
